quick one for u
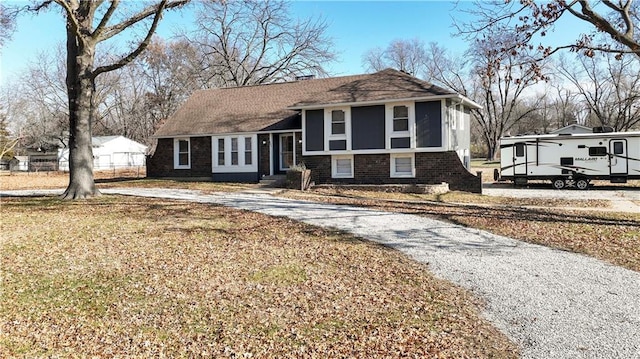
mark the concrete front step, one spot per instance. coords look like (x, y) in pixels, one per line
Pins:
(273, 181)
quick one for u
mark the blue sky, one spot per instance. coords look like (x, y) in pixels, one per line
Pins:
(355, 26)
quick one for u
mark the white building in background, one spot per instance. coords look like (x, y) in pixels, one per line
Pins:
(110, 152)
(572, 129)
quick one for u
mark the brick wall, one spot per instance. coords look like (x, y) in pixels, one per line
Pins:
(160, 164)
(431, 168)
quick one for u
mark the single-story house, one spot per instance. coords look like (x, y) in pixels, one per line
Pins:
(110, 152)
(382, 128)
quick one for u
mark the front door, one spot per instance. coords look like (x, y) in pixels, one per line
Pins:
(618, 157)
(287, 151)
(520, 159)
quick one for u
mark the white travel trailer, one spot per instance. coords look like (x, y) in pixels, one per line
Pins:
(570, 160)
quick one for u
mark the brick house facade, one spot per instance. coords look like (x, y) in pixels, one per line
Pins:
(381, 128)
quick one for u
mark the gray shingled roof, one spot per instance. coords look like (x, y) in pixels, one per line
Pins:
(273, 106)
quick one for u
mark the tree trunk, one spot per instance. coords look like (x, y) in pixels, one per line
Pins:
(80, 88)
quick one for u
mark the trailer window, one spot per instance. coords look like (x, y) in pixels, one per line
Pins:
(618, 148)
(597, 151)
(519, 149)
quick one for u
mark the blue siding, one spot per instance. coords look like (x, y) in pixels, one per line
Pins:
(337, 145)
(314, 136)
(367, 127)
(429, 124)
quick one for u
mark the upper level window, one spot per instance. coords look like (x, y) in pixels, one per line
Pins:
(337, 122)
(182, 153)
(400, 118)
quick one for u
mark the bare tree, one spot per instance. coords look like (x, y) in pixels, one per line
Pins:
(89, 23)
(254, 41)
(532, 20)
(38, 103)
(402, 55)
(609, 88)
(7, 23)
(495, 80)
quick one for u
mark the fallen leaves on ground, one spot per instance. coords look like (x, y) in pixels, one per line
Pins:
(612, 237)
(123, 277)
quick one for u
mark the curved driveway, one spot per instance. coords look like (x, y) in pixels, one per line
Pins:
(552, 303)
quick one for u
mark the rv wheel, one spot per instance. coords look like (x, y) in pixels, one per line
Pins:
(582, 183)
(558, 183)
(496, 174)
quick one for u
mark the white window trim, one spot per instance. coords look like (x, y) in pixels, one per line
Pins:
(327, 128)
(241, 166)
(411, 132)
(392, 165)
(176, 154)
(334, 166)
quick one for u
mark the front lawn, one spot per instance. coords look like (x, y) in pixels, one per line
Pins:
(123, 277)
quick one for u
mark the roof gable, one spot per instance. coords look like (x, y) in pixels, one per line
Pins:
(274, 106)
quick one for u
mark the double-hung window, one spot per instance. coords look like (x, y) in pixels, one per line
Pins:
(338, 125)
(400, 118)
(182, 153)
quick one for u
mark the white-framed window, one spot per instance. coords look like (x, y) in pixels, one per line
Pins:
(221, 152)
(181, 153)
(234, 153)
(400, 125)
(342, 166)
(400, 118)
(338, 122)
(403, 165)
(248, 152)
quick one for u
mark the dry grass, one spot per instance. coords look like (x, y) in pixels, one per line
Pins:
(460, 197)
(612, 237)
(108, 179)
(118, 277)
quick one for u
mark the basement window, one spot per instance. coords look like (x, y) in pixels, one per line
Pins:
(342, 166)
(402, 165)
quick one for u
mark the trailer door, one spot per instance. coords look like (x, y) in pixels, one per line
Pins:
(520, 159)
(618, 157)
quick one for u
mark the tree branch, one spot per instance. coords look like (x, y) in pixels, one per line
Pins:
(144, 43)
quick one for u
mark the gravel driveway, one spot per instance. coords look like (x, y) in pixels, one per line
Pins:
(552, 303)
